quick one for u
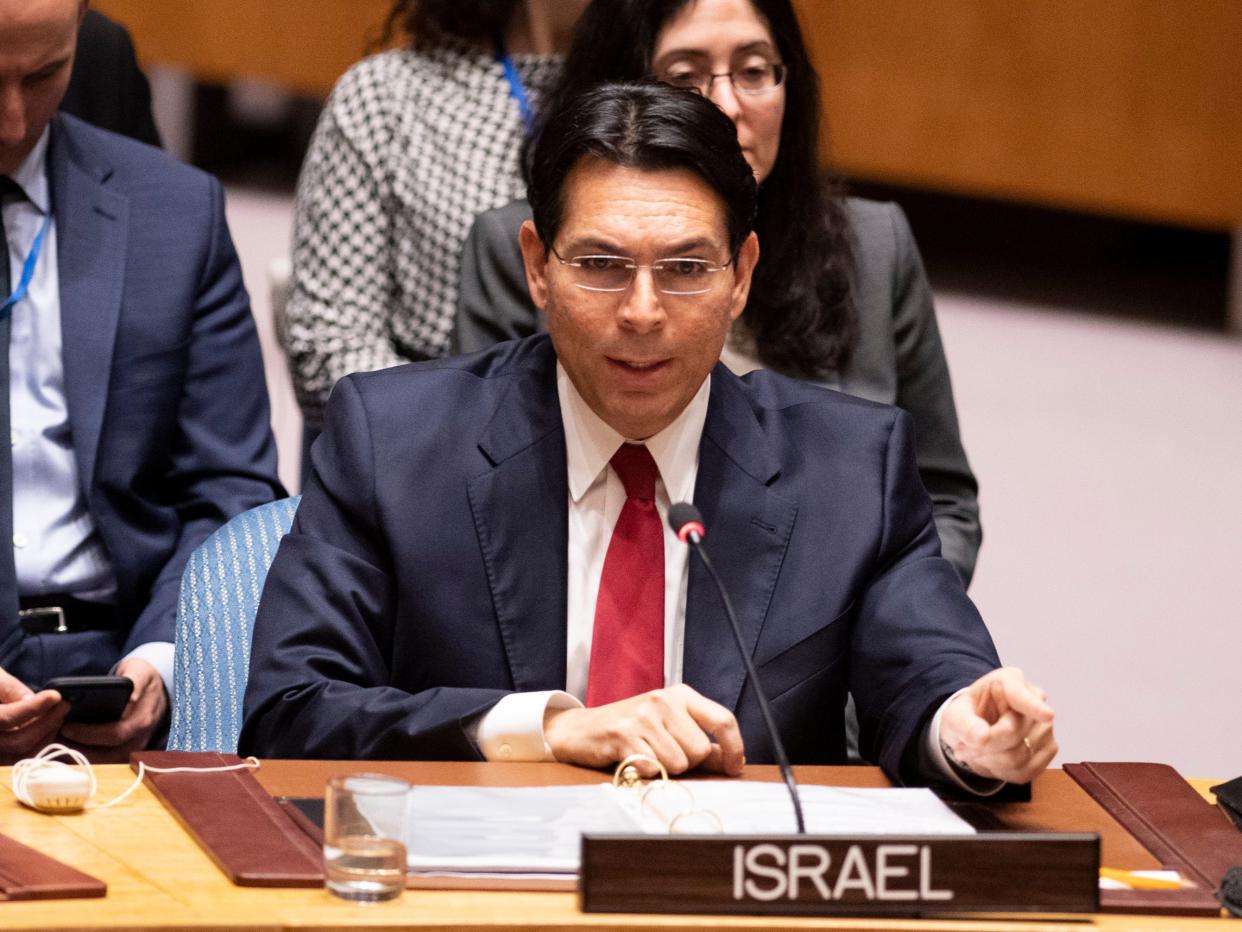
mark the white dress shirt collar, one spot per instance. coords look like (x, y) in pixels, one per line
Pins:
(31, 175)
(590, 443)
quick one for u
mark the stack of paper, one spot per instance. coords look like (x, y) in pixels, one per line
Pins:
(538, 830)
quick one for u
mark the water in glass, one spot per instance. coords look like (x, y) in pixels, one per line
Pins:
(364, 836)
(365, 868)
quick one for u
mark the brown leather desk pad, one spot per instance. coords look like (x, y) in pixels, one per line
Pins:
(1165, 814)
(1058, 804)
(27, 874)
(235, 821)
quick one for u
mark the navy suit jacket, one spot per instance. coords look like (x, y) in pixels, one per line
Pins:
(425, 574)
(163, 377)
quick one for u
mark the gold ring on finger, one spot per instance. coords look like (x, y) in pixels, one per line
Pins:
(1029, 749)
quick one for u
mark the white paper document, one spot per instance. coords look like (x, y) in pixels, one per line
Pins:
(537, 830)
(493, 830)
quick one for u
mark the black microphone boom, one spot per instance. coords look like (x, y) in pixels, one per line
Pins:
(687, 523)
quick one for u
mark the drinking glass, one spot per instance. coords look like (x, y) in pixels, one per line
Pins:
(364, 836)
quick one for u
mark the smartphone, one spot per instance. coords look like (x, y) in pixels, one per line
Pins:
(93, 700)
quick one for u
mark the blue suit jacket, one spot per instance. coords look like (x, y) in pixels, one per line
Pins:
(425, 574)
(163, 376)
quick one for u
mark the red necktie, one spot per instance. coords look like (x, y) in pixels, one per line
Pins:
(627, 647)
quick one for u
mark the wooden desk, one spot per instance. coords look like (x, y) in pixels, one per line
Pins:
(301, 44)
(159, 879)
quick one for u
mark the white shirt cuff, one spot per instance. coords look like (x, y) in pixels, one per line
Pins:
(979, 786)
(512, 729)
(160, 655)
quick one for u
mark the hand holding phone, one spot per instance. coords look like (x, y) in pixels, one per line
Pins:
(93, 700)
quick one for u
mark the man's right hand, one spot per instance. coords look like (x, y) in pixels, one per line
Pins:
(28, 720)
(677, 726)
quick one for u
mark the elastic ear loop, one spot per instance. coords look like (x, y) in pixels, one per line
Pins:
(23, 770)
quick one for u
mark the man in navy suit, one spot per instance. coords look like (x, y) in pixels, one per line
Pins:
(135, 402)
(449, 588)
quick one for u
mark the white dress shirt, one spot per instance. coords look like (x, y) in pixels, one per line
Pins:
(513, 728)
(56, 546)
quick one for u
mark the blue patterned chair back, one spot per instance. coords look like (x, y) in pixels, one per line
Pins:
(219, 597)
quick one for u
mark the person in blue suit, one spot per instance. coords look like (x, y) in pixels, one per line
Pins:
(136, 400)
(446, 584)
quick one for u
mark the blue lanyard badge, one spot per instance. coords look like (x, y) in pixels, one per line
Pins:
(28, 270)
(516, 90)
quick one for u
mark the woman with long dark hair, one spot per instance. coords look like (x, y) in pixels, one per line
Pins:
(839, 295)
(413, 143)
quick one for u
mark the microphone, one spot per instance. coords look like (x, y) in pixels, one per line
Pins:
(687, 523)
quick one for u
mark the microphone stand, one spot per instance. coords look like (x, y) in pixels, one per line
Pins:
(692, 536)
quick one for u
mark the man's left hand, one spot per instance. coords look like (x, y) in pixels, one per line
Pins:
(1000, 728)
(145, 711)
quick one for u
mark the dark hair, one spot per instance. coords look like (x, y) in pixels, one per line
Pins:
(648, 126)
(801, 310)
(433, 21)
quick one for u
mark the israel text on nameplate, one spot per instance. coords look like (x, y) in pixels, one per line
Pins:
(826, 875)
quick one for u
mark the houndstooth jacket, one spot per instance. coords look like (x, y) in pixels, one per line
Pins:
(410, 147)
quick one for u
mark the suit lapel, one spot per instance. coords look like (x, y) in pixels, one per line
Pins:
(92, 227)
(521, 515)
(748, 530)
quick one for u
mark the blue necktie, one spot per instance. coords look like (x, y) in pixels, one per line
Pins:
(9, 190)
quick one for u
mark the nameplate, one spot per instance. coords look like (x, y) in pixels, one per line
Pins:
(836, 875)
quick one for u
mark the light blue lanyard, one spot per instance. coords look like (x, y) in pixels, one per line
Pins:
(516, 90)
(28, 270)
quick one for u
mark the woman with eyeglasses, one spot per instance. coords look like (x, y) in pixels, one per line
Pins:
(839, 295)
(412, 144)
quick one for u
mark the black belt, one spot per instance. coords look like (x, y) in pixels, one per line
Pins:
(58, 614)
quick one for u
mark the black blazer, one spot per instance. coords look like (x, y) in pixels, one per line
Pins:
(107, 88)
